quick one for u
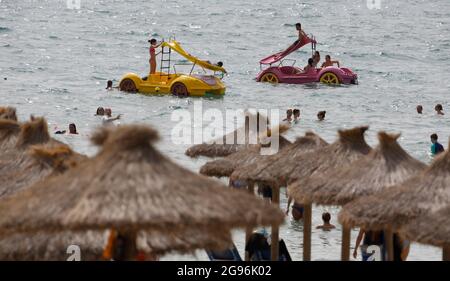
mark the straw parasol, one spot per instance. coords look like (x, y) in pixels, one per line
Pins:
(39, 162)
(130, 186)
(14, 155)
(9, 129)
(8, 113)
(225, 167)
(261, 171)
(44, 246)
(244, 157)
(432, 229)
(426, 192)
(239, 139)
(383, 167)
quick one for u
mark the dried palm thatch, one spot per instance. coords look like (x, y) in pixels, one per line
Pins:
(44, 246)
(8, 113)
(225, 167)
(383, 167)
(432, 228)
(15, 156)
(350, 147)
(130, 186)
(39, 162)
(260, 170)
(426, 192)
(289, 167)
(241, 138)
(9, 130)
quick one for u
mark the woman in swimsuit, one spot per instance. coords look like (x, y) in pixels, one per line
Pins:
(153, 55)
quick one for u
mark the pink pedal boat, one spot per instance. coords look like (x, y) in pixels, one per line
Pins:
(290, 74)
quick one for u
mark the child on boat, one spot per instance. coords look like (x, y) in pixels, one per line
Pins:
(310, 65)
(316, 58)
(153, 54)
(301, 33)
(329, 62)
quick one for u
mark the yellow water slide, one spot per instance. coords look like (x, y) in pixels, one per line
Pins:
(174, 45)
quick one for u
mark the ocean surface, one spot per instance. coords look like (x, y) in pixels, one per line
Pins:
(55, 60)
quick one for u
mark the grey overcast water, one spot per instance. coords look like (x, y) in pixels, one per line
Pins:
(57, 61)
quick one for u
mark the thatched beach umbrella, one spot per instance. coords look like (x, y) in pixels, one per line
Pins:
(262, 171)
(8, 113)
(241, 138)
(9, 129)
(349, 147)
(39, 162)
(225, 167)
(14, 156)
(433, 229)
(48, 246)
(129, 186)
(386, 165)
(398, 205)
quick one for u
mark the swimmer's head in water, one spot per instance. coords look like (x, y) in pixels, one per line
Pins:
(327, 57)
(321, 115)
(152, 41)
(72, 128)
(296, 112)
(289, 112)
(326, 217)
(108, 111)
(310, 61)
(434, 138)
(438, 107)
(100, 111)
(220, 63)
(419, 109)
(109, 84)
(298, 26)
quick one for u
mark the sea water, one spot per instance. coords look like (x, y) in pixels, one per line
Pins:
(57, 55)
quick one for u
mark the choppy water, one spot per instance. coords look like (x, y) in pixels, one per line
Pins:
(57, 60)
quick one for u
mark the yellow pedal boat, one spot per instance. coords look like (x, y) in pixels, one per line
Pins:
(178, 84)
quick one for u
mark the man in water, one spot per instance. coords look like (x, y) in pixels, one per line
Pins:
(296, 115)
(436, 147)
(288, 118)
(109, 85)
(72, 130)
(327, 226)
(439, 109)
(321, 115)
(108, 119)
(328, 62)
(153, 54)
(419, 109)
(297, 209)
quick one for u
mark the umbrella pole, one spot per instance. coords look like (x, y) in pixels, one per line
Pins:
(131, 246)
(446, 253)
(275, 228)
(345, 246)
(389, 238)
(307, 222)
(248, 230)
